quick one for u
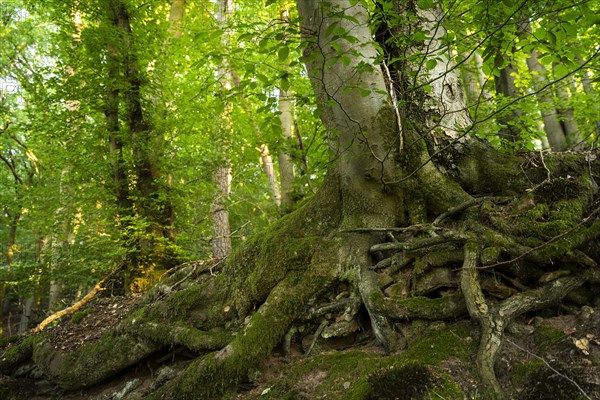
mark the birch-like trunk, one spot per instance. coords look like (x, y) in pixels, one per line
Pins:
(552, 127)
(269, 169)
(286, 166)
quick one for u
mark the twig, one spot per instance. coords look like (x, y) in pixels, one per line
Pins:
(551, 368)
(317, 334)
(467, 204)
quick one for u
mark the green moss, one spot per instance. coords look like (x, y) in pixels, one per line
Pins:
(361, 375)
(520, 373)
(441, 308)
(79, 315)
(6, 340)
(93, 362)
(19, 352)
(546, 336)
(442, 344)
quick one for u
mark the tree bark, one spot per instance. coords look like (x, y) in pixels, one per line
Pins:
(221, 244)
(552, 127)
(505, 85)
(286, 166)
(268, 167)
(147, 146)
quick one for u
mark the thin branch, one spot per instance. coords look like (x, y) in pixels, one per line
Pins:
(551, 368)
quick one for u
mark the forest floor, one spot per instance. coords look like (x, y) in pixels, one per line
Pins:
(545, 357)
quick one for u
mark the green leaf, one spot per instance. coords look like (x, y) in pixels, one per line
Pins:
(285, 84)
(560, 70)
(431, 64)
(262, 78)
(425, 4)
(283, 53)
(570, 29)
(499, 61)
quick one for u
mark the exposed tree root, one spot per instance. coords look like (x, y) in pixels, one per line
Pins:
(463, 264)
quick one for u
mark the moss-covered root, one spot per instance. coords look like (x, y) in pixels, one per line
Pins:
(219, 371)
(494, 319)
(373, 301)
(18, 353)
(91, 363)
(170, 334)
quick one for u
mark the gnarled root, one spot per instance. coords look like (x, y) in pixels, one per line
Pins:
(219, 371)
(494, 318)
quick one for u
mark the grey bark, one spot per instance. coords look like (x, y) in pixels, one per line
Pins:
(552, 127)
(286, 166)
(505, 85)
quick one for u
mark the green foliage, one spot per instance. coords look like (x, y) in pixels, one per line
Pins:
(69, 229)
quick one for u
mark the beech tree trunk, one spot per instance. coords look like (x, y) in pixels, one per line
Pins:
(552, 127)
(269, 169)
(286, 165)
(505, 85)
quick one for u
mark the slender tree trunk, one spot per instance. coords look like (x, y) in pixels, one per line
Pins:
(474, 80)
(176, 18)
(586, 82)
(566, 116)
(11, 243)
(221, 245)
(268, 167)
(505, 85)
(286, 166)
(26, 316)
(552, 127)
(147, 145)
(469, 80)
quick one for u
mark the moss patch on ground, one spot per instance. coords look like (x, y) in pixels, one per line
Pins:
(364, 374)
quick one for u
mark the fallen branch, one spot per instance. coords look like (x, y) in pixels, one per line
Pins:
(71, 309)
